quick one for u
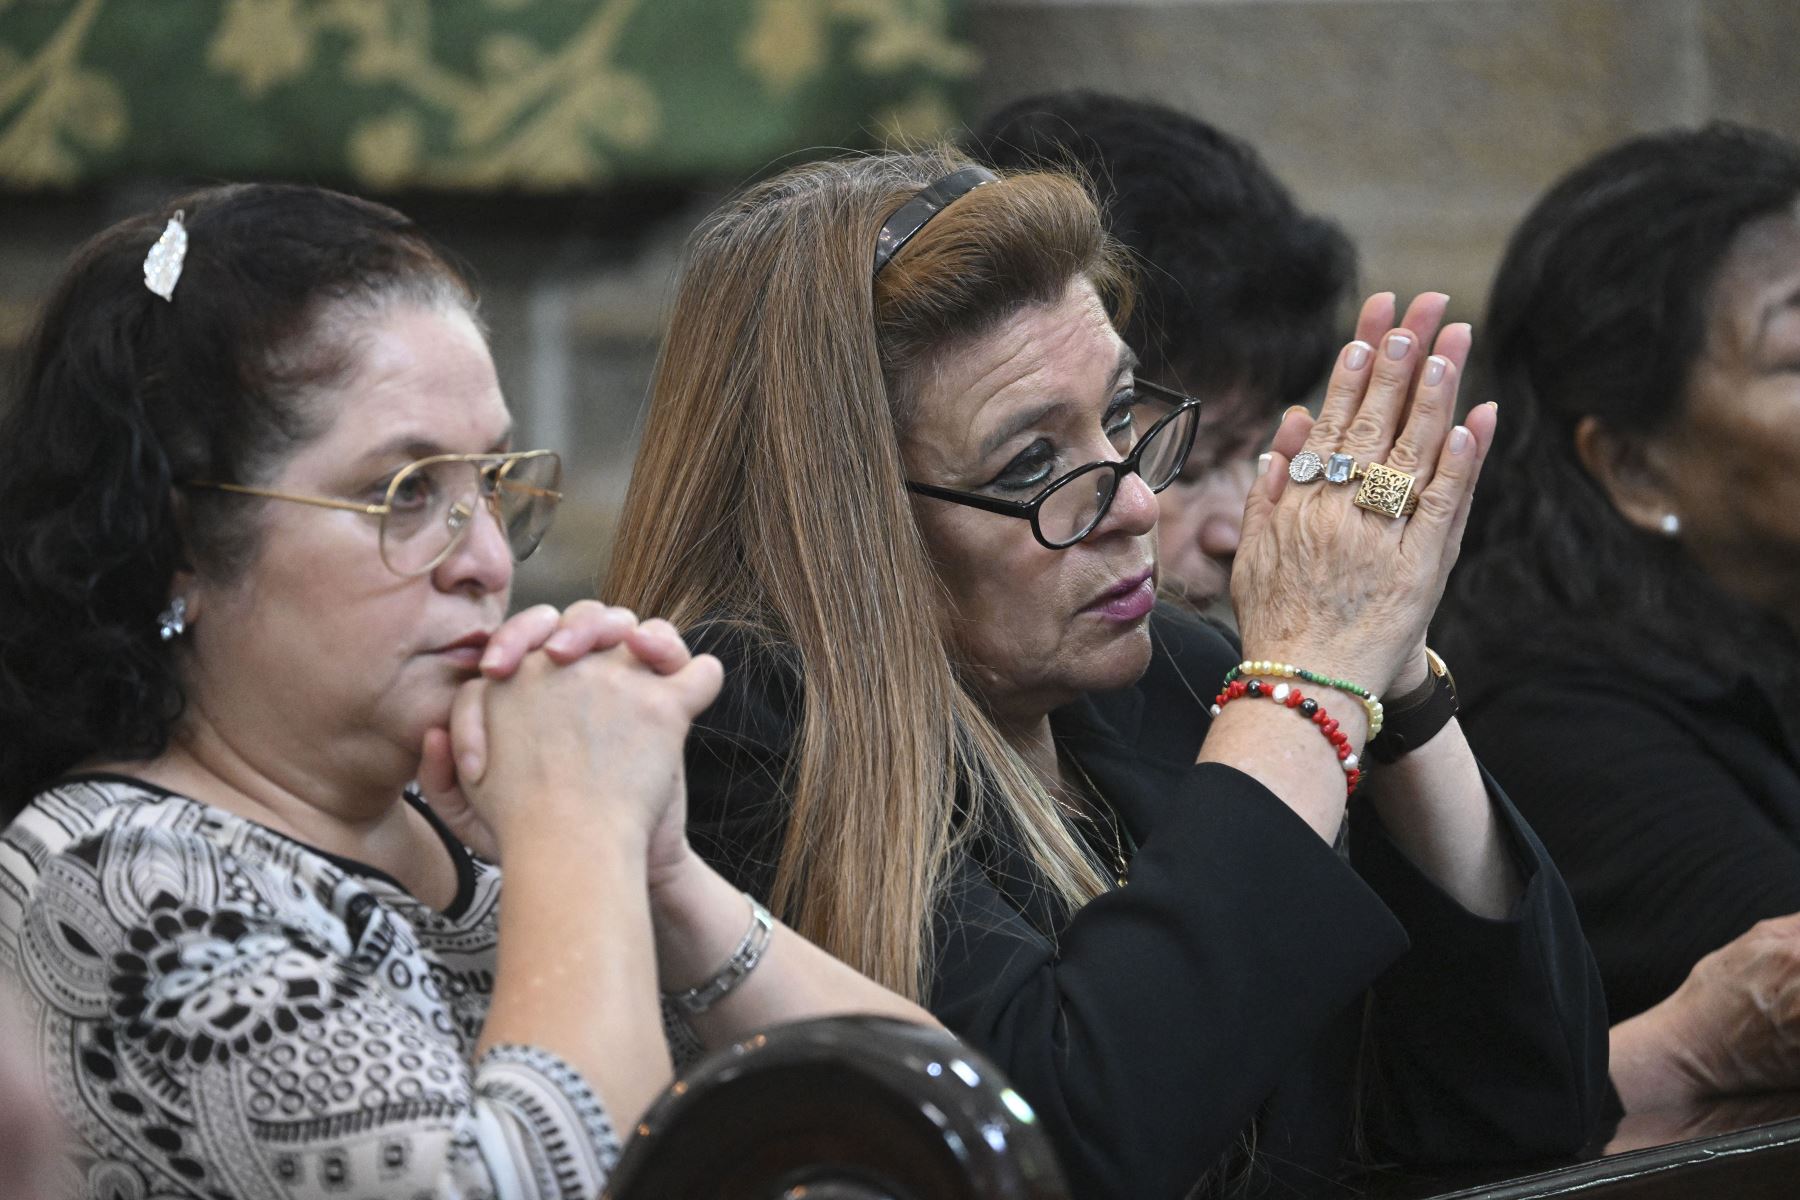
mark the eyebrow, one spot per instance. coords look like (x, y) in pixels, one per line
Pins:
(414, 446)
(1127, 361)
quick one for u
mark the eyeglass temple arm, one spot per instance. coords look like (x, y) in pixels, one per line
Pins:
(372, 510)
(1011, 508)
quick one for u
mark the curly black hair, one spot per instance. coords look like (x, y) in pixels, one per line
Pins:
(122, 396)
(1600, 308)
(1239, 288)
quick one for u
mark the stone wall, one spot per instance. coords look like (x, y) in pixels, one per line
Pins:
(1426, 127)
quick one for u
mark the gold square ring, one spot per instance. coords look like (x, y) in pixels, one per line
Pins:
(1387, 491)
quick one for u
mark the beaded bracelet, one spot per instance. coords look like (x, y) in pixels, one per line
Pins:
(1370, 701)
(1307, 707)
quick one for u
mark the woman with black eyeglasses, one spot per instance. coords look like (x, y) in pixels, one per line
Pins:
(898, 465)
(259, 511)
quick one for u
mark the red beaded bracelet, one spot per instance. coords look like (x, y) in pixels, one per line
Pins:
(1290, 697)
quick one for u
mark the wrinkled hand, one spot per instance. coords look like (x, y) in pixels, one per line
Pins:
(1326, 585)
(455, 760)
(1734, 1023)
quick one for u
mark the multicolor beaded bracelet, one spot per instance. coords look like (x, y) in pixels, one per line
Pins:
(1307, 707)
(1370, 701)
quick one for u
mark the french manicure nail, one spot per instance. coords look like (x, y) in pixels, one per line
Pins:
(491, 659)
(1435, 366)
(1356, 357)
(1459, 440)
(1397, 345)
(560, 641)
(1262, 463)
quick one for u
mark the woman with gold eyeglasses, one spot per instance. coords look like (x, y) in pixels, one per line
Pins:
(259, 511)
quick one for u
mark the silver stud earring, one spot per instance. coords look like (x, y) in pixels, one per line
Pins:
(1670, 525)
(172, 621)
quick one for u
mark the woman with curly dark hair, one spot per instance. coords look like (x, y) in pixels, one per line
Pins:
(1626, 619)
(259, 510)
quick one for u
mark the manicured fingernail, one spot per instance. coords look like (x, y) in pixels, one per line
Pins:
(1292, 409)
(560, 642)
(469, 766)
(1356, 355)
(1435, 366)
(491, 658)
(1397, 345)
(1459, 440)
(1262, 463)
(1494, 404)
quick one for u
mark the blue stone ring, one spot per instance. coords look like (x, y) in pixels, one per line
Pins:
(1307, 467)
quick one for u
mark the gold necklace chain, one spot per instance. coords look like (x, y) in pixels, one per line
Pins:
(1121, 865)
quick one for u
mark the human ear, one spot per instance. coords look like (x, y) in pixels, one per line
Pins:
(1633, 474)
(186, 585)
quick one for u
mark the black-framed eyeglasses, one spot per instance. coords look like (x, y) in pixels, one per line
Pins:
(431, 503)
(1071, 506)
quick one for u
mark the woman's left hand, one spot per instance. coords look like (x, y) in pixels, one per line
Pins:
(1732, 1026)
(585, 627)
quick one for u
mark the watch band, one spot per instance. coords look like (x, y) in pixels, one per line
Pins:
(1418, 716)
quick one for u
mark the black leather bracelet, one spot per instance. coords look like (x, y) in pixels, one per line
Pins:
(1417, 717)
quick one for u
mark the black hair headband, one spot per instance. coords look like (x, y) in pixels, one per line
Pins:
(911, 217)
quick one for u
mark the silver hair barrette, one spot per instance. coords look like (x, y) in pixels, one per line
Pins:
(162, 266)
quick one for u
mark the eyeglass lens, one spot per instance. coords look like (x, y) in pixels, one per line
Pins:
(1070, 512)
(432, 503)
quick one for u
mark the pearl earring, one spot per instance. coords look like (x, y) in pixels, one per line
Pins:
(1670, 525)
(172, 621)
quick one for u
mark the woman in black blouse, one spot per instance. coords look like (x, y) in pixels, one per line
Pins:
(1626, 622)
(897, 461)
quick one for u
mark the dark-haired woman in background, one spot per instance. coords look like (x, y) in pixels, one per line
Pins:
(1627, 619)
(259, 510)
(1240, 298)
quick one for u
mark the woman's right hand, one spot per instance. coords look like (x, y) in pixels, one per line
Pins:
(572, 743)
(1326, 585)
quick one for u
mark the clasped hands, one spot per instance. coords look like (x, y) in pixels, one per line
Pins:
(575, 725)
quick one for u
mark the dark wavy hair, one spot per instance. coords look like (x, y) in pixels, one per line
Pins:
(122, 396)
(1238, 287)
(1600, 308)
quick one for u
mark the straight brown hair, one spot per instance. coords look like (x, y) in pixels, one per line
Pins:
(770, 494)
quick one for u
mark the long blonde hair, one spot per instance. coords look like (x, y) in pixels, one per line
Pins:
(770, 494)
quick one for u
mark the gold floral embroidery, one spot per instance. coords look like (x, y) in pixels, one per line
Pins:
(424, 94)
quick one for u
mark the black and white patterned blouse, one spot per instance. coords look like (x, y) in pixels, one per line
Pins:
(224, 1012)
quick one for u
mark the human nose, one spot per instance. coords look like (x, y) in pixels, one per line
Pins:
(481, 560)
(1222, 527)
(1134, 508)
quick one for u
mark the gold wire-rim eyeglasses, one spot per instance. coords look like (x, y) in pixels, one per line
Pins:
(493, 470)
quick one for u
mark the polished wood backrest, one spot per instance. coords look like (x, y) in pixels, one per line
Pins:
(847, 1108)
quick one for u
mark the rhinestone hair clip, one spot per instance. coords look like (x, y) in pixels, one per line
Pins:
(162, 266)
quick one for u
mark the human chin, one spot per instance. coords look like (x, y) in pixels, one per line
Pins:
(1114, 660)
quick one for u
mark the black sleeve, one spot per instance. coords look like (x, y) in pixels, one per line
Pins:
(1147, 1039)
(1668, 855)
(1172, 1008)
(1488, 1038)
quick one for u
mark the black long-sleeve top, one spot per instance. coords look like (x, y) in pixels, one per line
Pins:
(1668, 794)
(1224, 987)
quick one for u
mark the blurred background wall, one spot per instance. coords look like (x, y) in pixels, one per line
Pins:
(566, 147)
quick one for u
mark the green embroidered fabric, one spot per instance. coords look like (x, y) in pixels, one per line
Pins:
(531, 95)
